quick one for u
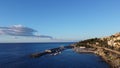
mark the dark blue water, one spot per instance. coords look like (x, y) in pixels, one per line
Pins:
(17, 56)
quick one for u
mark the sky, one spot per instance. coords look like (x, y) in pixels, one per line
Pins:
(61, 19)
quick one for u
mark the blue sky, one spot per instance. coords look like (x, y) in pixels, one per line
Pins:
(63, 19)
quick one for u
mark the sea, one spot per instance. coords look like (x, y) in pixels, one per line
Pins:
(17, 55)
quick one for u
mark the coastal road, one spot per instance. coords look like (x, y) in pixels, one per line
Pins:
(106, 49)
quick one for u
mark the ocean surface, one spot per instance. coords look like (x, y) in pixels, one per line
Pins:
(17, 55)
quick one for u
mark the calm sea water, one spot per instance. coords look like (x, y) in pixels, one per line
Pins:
(17, 56)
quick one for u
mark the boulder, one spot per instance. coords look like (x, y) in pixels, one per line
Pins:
(48, 51)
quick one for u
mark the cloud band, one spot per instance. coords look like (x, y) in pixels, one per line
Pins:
(19, 30)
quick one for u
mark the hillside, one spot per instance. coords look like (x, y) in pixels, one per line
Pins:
(107, 47)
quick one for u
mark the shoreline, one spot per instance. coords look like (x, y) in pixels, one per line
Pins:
(104, 59)
(109, 56)
(78, 50)
(58, 50)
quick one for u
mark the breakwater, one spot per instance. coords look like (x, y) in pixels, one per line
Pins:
(53, 51)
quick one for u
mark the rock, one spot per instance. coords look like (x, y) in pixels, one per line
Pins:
(48, 51)
(117, 34)
(82, 47)
(35, 55)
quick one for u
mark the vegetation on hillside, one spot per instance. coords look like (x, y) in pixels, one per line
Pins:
(107, 47)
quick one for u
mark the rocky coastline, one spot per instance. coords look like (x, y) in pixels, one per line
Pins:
(106, 47)
(108, 50)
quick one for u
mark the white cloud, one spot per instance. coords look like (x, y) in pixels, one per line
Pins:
(19, 30)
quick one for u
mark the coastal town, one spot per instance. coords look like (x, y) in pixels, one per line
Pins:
(107, 47)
